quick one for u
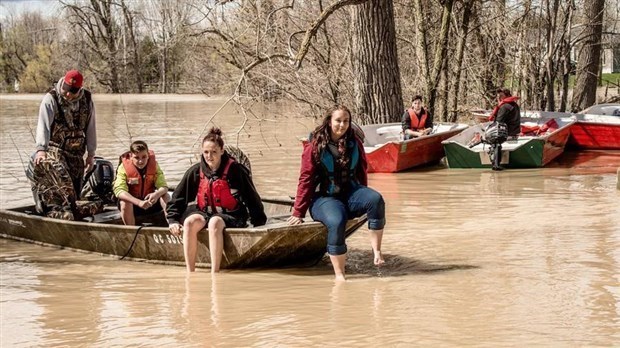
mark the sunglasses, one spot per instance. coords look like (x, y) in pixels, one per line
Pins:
(70, 89)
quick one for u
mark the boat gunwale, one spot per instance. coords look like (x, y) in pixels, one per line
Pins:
(270, 227)
(460, 127)
(528, 138)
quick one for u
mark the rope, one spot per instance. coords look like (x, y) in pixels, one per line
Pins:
(134, 239)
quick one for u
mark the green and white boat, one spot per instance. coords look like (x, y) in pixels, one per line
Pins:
(544, 140)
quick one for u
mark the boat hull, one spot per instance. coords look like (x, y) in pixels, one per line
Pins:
(527, 152)
(595, 136)
(395, 156)
(274, 245)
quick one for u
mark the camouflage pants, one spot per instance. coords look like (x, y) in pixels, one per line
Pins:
(55, 182)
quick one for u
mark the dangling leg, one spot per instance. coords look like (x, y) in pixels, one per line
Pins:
(338, 262)
(216, 242)
(364, 200)
(375, 242)
(127, 213)
(191, 227)
(332, 213)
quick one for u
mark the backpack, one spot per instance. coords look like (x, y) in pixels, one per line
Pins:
(98, 182)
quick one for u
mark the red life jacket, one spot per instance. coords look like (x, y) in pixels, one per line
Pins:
(138, 187)
(415, 122)
(506, 100)
(216, 193)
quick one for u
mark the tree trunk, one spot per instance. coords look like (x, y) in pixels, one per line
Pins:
(589, 59)
(374, 60)
(422, 47)
(441, 48)
(552, 15)
(565, 52)
(440, 54)
(460, 51)
(442, 115)
(129, 20)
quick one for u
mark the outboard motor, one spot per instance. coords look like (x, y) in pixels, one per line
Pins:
(495, 135)
(98, 182)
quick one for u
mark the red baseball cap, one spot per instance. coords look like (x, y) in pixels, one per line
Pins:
(73, 80)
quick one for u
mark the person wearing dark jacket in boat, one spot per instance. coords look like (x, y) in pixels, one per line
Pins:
(334, 162)
(225, 197)
(507, 111)
(416, 120)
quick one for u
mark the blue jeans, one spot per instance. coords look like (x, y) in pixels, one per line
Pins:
(333, 212)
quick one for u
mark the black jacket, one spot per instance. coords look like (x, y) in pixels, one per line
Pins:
(510, 114)
(238, 178)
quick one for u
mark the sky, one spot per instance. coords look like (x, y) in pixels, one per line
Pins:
(15, 7)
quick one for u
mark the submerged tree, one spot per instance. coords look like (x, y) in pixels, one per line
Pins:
(375, 62)
(589, 56)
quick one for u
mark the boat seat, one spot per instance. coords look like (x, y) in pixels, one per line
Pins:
(107, 216)
(390, 133)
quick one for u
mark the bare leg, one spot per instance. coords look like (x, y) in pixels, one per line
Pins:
(375, 241)
(193, 224)
(216, 242)
(338, 262)
(127, 213)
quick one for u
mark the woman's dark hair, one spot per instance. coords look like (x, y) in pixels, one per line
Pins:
(416, 97)
(138, 146)
(214, 135)
(322, 135)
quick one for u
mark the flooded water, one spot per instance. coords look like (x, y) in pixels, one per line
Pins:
(474, 257)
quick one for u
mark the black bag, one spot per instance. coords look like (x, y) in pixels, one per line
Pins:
(99, 181)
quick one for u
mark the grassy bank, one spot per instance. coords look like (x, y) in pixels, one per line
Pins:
(613, 78)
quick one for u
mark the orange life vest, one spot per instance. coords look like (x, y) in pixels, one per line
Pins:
(138, 186)
(216, 194)
(415, 122)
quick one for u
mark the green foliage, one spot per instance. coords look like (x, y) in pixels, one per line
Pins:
(39, 74)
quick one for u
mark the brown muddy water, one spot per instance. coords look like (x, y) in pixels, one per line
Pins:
(474, 257)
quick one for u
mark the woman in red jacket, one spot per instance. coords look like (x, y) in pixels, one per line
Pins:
(334, 162)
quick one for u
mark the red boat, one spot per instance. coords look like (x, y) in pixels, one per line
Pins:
(598, 128)
(388, 153)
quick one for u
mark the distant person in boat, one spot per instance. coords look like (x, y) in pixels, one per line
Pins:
(334, 162)
(416, 120)
(507, 111)
(66, 131)
(140, 184)
(225, 197)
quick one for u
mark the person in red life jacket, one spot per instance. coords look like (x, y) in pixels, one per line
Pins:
(140, 184)
(334, 162)
(225, 197)
(416, 120)
(507, 111)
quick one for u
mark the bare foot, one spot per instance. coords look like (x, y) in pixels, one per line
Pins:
(378, 258)
(340, 277)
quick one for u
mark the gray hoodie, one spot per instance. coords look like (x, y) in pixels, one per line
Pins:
(47, 110)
